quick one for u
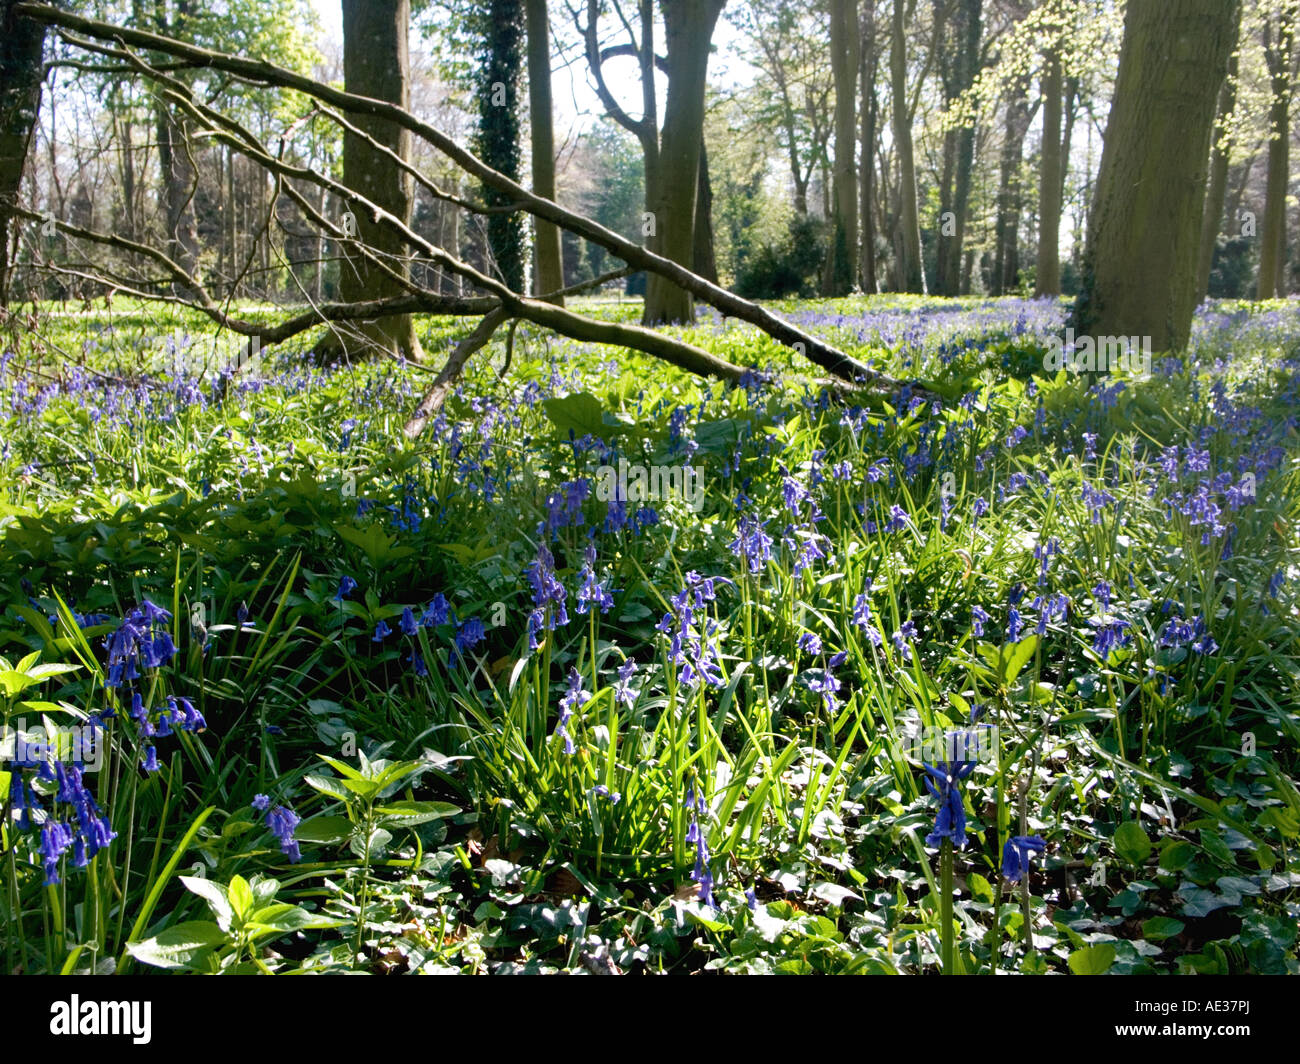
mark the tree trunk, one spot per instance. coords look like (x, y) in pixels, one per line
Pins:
(1006, 268)
(867, 149)
(1140, 268)
(1048, 273)
(688, 27)
(22, 42)
(548, 272)
(842, 255)
(1272, 254)
(376, 63)
(961, 143)
(176, 167)
(911, 271)
(705, 263)
(1216, 194)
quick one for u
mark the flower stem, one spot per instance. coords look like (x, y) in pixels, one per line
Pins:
(945, 906)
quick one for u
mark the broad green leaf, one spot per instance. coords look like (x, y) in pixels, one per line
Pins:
(1092, 960)
(1159, 928)
(216, 897)
(1132, 843)
(180, 946)
(324, 830)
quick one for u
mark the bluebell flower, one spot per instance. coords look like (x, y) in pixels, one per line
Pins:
(150, 762)
(346, 586)
(573, 697)
(623, 693)
(283, 821)
(469, 634)
(1015, 855)
(408, 626)
(978, 618)
(437, 612)
(382, 632)
(810, 643)
(941, 781)
(261, 802)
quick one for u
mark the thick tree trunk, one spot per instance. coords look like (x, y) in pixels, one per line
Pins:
(22, 42)
(911, 270)
(1272, 234)
(842, 257)
(688, 27)
(548, 272)
(966, 25)
(1048, 273)
(1216, 193)
(1140, 268)
(376, 63)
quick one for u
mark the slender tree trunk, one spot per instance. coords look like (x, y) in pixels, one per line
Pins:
(1048, 273)
(911, 271)
(688, 26)
(842, 257)
(179, 179)
(376, 63)
(1272, 254)
(548, 272)
(22, 42)
(1216, 194)
(867, 149)
(1006, 269)
(705, 263)
(1140, 269)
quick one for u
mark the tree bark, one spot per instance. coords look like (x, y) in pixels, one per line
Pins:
(1047, 280)
(911, 270)
(688, 28)
(959, 145)
(1272, 253)
(868, 60)
(1006, 268)
(22, 43)
(703, 259)
(842, 255)
(1216, 194)
(376, 63)
(1140, 267)
(548, 271)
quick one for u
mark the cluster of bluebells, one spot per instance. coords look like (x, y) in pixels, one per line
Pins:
(573, 697)
(74, 821)
(142, 642)
(696, 833)
(690, 630)
(467, 634)
(282, 822)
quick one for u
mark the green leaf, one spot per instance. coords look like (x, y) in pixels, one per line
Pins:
(240, 897)
(215, 895)
(1132, 843)
(410, 813)
(180, 946)
(329, 785)
(324, 830)
(580, 413)
(1176, 855)
(1092, 960)
(1159, 928)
